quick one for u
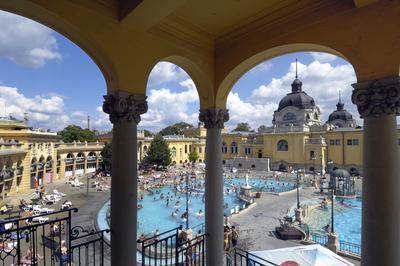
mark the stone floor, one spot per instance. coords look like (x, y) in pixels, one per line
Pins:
(257, 224)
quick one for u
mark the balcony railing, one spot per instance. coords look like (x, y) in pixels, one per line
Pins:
(350, 248)
(241, 257)
(50, 239)
(69, 160)
(19, 171)
(91, 158)
(80, 159)
(170, 248)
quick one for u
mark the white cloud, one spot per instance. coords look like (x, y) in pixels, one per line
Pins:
(26, 42)
(167, 107)
(264, 67)
(322, 81)
(166, 72)
(102, 121)
(244, 111)
(43, 111)
(323, 57)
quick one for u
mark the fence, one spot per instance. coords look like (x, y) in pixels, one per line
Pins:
(240, 257)
(350, 248)
(49, 239)
(173, 247)
(319, 238)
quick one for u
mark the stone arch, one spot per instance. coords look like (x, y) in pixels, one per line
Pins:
(201, 79)
(233, 73)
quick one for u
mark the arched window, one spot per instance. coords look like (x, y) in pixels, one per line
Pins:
(289, 117)
(234, 148)
(282, 145)
(224, 147)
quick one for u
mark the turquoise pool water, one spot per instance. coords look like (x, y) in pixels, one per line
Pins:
(157, 210)
(347, 219)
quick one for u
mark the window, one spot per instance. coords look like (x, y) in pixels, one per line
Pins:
(234, 148)
(282, 145)
(312, 155)
(186, 148)
(199, 149)
(224, 148)
(173, 152)
(354, 142)
(331, 142)
(337, 141)
(247, 150)
(289, 117)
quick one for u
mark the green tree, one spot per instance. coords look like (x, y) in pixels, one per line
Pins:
(193, 156)
(76, 133)
(243, 126)
(158, 153)
(175, 129)
(106, 153)
(261, 128)
(148, 133)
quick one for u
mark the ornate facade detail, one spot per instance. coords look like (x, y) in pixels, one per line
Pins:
(214, 117)
(122, 106)
(377, 98)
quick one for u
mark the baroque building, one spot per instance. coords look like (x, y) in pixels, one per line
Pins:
(32, 157)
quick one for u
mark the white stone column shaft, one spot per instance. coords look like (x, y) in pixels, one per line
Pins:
(125, 111)
(214, 188)
(377, 103)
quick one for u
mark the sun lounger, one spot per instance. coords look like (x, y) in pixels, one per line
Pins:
(56, 192)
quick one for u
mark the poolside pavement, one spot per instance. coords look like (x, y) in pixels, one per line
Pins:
(257, 224)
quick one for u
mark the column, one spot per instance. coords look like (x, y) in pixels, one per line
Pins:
(124, 110)
(214, 185)
(378, 102)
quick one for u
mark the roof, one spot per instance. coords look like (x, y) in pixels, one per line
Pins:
(297, 98)
(310, 255)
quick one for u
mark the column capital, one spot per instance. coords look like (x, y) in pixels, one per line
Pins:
(378, 97)
(122, 106)
(214, 117)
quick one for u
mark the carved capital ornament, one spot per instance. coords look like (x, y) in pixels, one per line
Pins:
(377, 98)
(124, 107)
(214, 117)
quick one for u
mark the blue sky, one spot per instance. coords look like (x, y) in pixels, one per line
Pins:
(56, 83)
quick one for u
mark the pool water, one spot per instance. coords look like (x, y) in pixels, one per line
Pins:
(157, 214)
(347, 219)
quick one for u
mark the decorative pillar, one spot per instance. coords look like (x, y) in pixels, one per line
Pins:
(214, 184)
(124, 110)
(378, 102)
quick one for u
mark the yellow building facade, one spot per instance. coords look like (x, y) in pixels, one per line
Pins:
(30, 158)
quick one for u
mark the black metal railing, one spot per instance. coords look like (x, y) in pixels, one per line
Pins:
(173, 247)
(350, 248)
(240, 257)
(319, 238)
(49, 239)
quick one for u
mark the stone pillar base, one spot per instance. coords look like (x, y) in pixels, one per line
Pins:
(298, 215)
(333, 242)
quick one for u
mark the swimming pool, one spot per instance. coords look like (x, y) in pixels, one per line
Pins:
(157, 214)
(347, 219)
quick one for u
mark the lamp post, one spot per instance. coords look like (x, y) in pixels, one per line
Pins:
(332, 195)
(187, 201)
(297, 187)
(313, 159)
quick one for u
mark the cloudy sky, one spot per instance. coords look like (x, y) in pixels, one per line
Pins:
(39, 76)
